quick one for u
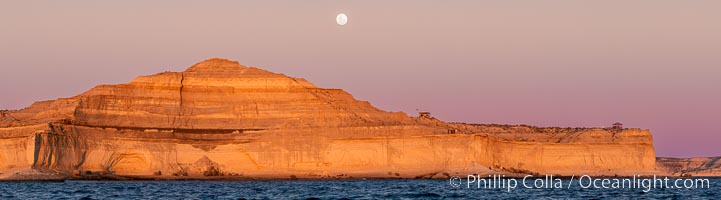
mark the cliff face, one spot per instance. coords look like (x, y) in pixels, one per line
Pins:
(689, 166)
(219, 118)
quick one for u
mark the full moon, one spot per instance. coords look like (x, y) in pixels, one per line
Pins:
(341, 19)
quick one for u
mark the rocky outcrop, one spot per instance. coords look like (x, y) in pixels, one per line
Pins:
(710, 166)
(220, 119)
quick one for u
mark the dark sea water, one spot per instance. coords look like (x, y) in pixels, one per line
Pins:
(336, 189)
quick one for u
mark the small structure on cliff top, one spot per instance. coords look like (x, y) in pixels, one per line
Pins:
(617, 125)
(426, 115)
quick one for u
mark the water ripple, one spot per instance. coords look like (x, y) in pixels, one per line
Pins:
(357, 189)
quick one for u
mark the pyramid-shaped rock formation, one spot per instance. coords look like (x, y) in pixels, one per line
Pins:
(214, 94)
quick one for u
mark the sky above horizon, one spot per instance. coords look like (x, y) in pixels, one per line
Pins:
(651, 64)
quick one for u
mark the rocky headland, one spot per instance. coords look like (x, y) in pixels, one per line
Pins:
(685, 167)
(221, 120)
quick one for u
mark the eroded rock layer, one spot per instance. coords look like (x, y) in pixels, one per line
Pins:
(221, 119)
(710, 166)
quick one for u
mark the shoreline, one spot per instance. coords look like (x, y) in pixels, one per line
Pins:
(231, 179)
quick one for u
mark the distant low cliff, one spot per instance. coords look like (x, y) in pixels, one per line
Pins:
(219, 119)
(710, 166)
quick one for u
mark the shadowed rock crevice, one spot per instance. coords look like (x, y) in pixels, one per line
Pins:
(180, 95)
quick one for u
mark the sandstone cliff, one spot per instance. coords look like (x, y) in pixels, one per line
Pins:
(689, 166)
(221, 119)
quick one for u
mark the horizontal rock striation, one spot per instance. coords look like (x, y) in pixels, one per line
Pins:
(710, 166)
(219, 119)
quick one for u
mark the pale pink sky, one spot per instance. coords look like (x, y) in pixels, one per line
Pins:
(651, 64)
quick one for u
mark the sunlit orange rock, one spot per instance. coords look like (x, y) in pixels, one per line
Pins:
(219, 119)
